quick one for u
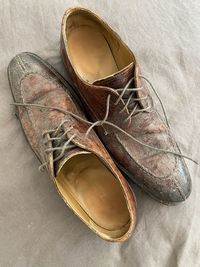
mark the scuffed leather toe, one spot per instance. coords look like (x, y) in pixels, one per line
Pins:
(21, 65)
(163, 176)
(182, 184)
(169, 190)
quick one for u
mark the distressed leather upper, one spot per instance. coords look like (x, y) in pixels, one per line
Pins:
(34, 82)
(164, 176)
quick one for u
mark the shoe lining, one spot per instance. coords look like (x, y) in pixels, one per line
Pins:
(94, 193)
(95, 51)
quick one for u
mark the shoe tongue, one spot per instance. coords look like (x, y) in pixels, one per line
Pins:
(118, 79)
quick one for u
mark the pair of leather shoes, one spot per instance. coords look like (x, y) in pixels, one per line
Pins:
(118, 105)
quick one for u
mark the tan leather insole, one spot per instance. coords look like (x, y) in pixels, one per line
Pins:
(96, 190)
(91, 54)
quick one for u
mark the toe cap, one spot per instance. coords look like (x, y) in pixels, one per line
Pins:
(22, 64)
(173, 189)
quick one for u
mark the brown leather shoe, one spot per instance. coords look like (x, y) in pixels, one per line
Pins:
(81, 168)
(107, 77)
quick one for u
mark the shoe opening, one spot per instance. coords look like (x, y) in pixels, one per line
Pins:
(95, 195)
(95, 50)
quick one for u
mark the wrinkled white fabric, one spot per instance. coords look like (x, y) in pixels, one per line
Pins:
(36, 227)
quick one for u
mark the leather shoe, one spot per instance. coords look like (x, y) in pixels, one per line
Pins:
(83, 172)
(116, 96)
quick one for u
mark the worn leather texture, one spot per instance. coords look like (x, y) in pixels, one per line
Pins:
(36, 228)
(33, 82)
(164, 176)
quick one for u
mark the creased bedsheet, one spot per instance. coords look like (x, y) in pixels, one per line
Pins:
(36, 227)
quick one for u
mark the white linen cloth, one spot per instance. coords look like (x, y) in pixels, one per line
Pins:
(36, 227)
